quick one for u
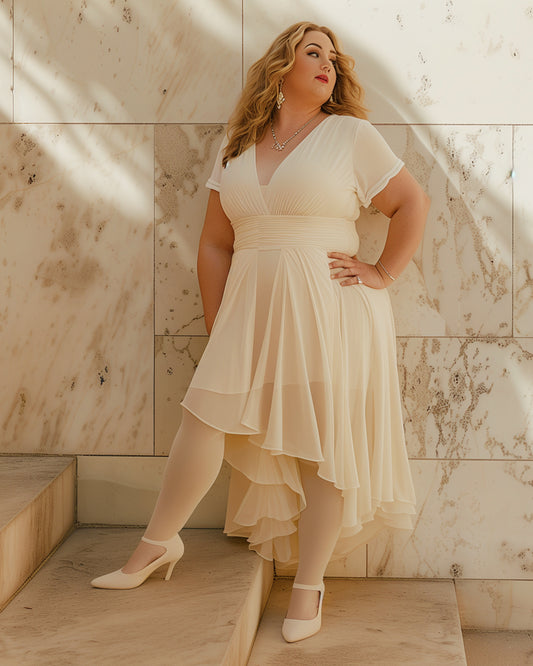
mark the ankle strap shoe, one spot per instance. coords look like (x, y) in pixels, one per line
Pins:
(296, 630)
(118, 580)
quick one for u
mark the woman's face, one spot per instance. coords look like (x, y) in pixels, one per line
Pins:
(313, 75)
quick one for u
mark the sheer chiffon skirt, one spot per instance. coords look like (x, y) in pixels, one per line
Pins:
(299, 367)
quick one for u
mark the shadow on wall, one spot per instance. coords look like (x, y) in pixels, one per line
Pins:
(78, 219)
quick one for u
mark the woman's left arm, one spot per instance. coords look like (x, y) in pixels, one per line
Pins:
(407, 206)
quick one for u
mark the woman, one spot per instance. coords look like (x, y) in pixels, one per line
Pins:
(300, 369)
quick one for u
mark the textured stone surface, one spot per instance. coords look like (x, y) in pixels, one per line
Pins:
(122, 490)
(398, 51)
(368, 622)
(474, 521)
(497, 648)
(523, 245)
(6, 66)
(202, 616)
(495, 605)
(76, 269)
(37, 496)
(127, 61)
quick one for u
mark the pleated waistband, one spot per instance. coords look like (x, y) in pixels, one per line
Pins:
(278, 231)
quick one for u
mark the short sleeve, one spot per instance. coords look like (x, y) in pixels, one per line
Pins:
(213, 183)
(374, 162)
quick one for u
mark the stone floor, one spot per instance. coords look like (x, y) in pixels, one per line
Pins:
(385, 622)
(206, 614)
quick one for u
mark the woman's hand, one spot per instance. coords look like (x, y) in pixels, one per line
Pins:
(352, 271)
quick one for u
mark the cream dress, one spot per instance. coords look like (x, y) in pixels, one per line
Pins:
(296, 365)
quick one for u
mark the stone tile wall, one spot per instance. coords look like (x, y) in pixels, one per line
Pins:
(111, 113)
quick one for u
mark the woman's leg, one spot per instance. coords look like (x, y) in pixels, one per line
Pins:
(318, 531)
(192, 467)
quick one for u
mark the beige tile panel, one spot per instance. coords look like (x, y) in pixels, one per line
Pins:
(523, 239)
(184, 158)
(399, 50)
(76, 265)
(384, 623)
(467, 398)
(6, 61)
(459, 281)
(474, 521)
(41, 521)
(131, 61)
(495, 605)
(176, 358)
(115, 490)
(192, 619)
(503, 648)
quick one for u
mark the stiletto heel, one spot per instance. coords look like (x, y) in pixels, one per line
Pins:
(170, 570)
(118, 580)
(296, 630)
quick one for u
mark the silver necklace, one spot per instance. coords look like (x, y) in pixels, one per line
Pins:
(280, 146)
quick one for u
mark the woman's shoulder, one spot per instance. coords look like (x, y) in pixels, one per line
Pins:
(350, 123)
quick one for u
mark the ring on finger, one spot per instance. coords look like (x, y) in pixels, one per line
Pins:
(359, 281)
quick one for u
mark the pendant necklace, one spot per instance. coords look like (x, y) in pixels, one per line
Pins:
(280, 146)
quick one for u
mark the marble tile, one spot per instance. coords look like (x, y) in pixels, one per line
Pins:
(398, 49)
(37, 497)
(184, 158)
(474, 521)
(76, 268)
(495, 605)
(523, 239)
(123, 490)
(459, 281)
(127, 61)
(368, 622)
(6, 61)
(176, 358)
(467, 398)
(216, 582)
(499, 647)
(352, 566)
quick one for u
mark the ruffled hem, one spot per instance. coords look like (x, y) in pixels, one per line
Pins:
(298, 367)
(266, 498)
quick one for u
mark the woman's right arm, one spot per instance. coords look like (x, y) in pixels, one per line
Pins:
(214, 257)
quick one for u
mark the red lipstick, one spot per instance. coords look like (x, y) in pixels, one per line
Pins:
(322, 77)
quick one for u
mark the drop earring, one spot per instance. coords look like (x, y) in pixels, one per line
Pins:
(280, 98)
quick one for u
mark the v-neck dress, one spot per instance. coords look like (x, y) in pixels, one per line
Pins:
(298, 367)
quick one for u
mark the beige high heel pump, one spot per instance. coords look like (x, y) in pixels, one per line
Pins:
(296, 630)
(118, 580)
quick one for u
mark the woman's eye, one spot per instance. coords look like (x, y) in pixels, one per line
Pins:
(313, 53)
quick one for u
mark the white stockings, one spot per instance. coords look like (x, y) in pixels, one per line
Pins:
(318, 531)
(193, 466)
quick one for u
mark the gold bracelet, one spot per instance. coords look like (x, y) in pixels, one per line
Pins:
(386, 271)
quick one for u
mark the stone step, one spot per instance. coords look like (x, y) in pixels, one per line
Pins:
(207, 613)
(385, 622)
(37, 506)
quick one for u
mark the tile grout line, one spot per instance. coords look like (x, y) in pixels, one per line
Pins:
(153, 293)
(224, 122)
(512, 227)
(242, 44)
(12, 61)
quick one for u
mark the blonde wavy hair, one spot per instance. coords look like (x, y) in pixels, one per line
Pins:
(256, 106)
